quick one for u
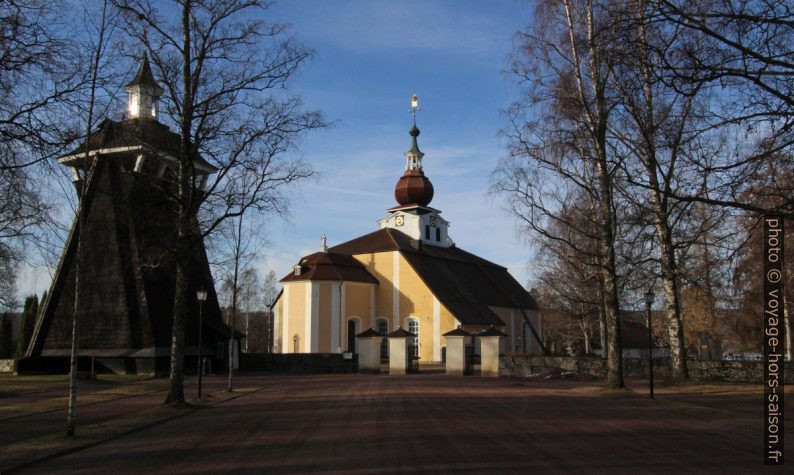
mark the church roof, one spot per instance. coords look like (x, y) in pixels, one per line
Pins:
(331, 266)
(465, 284)
(135, 132)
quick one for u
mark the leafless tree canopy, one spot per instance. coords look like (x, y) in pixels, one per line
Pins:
(675, 115)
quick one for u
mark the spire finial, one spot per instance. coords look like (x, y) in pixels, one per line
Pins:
(414, 107)
(325, 243)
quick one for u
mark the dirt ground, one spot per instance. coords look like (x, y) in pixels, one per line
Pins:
(434, 423)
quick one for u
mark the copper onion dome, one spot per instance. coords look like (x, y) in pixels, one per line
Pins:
(413, 188)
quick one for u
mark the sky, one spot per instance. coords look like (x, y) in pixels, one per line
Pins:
(370, 56)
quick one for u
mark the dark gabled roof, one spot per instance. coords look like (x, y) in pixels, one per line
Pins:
(465, 284)
(370, 332)
(400, 333)
(331, 266)
(457, 332)
(379, 241)
(135, 132)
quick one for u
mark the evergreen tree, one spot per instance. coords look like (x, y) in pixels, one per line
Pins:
(5, 336)
(26, 324)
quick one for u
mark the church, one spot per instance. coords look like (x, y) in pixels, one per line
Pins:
(408, 275)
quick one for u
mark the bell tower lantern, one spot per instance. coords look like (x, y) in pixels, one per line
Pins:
(143, 93)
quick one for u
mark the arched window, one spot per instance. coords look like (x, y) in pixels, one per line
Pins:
(438, 234)
(383, 329)
(427, 232)
(413, 327)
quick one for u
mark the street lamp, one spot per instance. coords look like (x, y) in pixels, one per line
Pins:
(648, 302)
(201, 296)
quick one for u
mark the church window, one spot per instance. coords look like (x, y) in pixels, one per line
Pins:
(427, 231)
(438, 234)
(413, 327)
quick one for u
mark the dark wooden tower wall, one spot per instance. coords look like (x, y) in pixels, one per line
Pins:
(127, 274)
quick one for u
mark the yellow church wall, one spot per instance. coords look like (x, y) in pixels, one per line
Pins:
(325, 317)
(357, 304)
(448, 323)
(296, 318)
(381, 266)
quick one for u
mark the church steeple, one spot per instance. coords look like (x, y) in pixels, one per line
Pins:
(413, 193)
(143, 93)
(413, 188)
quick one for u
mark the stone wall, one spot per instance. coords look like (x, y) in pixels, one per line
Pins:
(734, 371)
(298, 363)
(8, 366)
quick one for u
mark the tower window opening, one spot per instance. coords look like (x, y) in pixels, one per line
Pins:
(438, 234)
(427, 232)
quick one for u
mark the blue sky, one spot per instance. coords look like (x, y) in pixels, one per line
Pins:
(370, 57)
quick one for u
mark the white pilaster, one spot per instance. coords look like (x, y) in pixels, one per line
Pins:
(307, 319)
(285, 341)
(436, 329)
(336, 320)
(395, 309)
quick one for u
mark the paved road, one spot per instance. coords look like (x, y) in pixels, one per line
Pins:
(431, 423)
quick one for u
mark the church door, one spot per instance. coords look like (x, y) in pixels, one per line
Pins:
(351, 335)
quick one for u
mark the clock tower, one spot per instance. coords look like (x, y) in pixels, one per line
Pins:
(413, 193)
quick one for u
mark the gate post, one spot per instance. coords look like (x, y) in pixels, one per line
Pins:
(456, 351)
(399, 357)
(368, 343)
(489, 352)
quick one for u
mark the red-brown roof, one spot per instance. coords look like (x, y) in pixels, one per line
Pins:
(331, 266)
(465, 284)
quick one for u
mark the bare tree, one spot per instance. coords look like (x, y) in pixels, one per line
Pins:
(224, 69)
(98, 48)
(270, 289)
(563, 61)
(744, 51)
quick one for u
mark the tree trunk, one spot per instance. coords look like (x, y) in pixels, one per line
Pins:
(602, 321)
(675, 328)
(176, 392)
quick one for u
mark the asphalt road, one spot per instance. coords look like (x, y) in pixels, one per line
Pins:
(434, 423)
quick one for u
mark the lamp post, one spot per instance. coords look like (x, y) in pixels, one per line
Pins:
(648, 302)
(201, 296)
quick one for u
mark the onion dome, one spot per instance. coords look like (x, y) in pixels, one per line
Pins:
(413, 188)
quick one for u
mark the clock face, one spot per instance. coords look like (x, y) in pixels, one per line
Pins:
(399, 220)
(432, 221)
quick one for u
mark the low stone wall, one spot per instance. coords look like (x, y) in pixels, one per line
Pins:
(303, 363)
(734, 371)
(8, 366)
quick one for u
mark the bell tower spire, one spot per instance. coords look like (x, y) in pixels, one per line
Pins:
(414, 192)
(143, 93)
